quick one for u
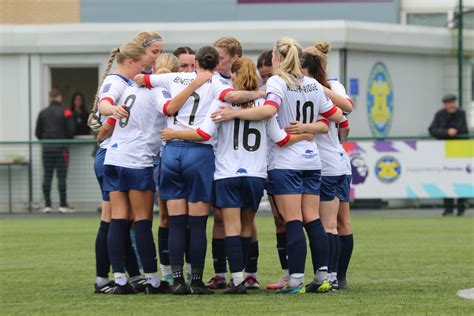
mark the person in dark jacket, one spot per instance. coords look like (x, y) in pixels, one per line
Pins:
(55, 123)
(78, 108)
(450, 123)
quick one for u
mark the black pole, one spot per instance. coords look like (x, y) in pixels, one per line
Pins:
(30, 145)
(460, 54)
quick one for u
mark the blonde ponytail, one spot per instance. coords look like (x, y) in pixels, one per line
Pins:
(166, 63)
(106, 72)
(246, 77)
(289, 68)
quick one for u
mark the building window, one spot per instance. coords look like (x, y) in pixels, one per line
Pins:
(428, 19)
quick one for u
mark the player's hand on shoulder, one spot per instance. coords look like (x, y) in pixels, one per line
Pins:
(226, 113)
(167, 134)
(202, 78)
(139, 79)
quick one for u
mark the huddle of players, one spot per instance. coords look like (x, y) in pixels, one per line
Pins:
(223, 141)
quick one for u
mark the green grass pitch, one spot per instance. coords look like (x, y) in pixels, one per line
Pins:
(400, 265)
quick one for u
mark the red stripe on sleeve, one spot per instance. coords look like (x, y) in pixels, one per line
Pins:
(146, 78)
(111, 101)
(203, 134)
(285, 140)
(165, 106)
(223, 94)
(344, 124)
(268, 102)
(111, 121)
(324, 121)
(67, 113)
(330, 112)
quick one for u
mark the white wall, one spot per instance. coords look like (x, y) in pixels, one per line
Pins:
(14, 96)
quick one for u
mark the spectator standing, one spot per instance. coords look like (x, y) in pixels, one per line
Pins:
(80, 113)
(55, 123)
(450, 123)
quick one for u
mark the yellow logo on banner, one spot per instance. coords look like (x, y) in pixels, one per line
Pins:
(459, 148)
(388, 169)
(380, 100)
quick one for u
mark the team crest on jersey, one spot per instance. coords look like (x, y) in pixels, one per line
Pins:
(241, 171)
(106, 88)
(166, 94)
(388, 169)
(380, 100)
(308, 153)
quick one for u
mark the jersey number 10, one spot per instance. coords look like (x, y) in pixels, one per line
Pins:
(306, 106)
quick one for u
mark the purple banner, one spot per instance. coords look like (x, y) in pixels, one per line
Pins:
(310, 1)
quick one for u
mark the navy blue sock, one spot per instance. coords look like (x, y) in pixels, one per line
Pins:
(218, 255)
(163, 234)
(318, 243)
(131, 260)
(281, 247)
(331, 247)
(198, 240)
(245, 241)
(186, 246)
(233, 251)
(252, 259)
(118, 230)
(296, 246)
(102, 262)
(146, 245)
(337, 248)
(347, 244)
(176, 240)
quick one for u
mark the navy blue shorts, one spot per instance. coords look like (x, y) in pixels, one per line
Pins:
(287, 181)
(343, 191)
(187, 172)
(124, 179)
(239, 192)
(332, 186)
(99, 172)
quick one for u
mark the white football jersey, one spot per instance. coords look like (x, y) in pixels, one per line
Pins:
(194, 111)
(136, 139)
(302, 103)
(111, 89)
(333, 157)
(241, 146)
(226, 79)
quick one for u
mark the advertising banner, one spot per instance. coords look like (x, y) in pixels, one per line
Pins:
(411, 169)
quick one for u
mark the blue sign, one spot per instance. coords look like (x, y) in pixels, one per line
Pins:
(380, 100)
(354, 86)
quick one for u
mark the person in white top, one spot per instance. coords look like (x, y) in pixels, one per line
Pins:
(130, 58)
(336, 171)
(241, 167)
(187, 167)
(229, 49)
(294, 171)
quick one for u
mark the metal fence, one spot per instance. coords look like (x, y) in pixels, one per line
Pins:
(21, 175)
(22, 167)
